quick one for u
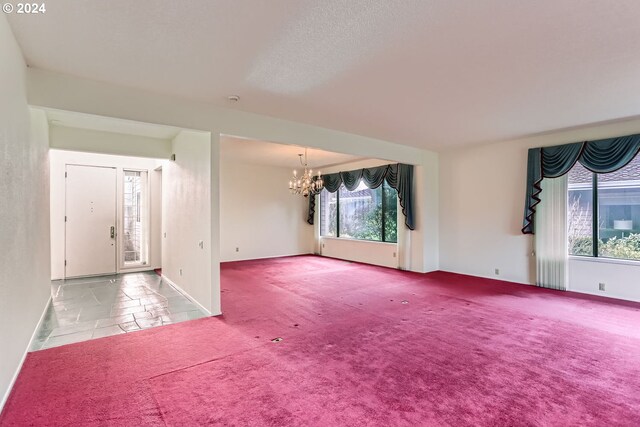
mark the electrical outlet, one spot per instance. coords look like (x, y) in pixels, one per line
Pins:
(394, 254)
(165, 235)
(201, 244)
(601, 286)
(497, 271)
(237, 249)
(180, 272)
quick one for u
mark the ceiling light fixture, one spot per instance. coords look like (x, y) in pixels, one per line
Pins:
(307, 185)
(233, 98)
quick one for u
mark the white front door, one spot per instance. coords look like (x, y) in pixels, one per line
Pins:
(90, 230)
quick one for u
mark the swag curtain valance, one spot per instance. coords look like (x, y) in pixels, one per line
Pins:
(398, 176)
(601, 156)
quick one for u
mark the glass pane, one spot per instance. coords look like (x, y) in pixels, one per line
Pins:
(619, 212)
(361, 213)
(134, 227)
(580, 211)
(391, 213)
(328, 213)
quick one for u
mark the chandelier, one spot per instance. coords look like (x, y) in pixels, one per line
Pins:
(307, 184)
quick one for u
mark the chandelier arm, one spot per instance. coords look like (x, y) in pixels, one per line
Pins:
(306, 184)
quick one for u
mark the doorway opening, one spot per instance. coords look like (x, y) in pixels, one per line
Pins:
(106, 214)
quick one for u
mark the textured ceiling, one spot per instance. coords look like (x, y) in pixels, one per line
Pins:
(427, 73)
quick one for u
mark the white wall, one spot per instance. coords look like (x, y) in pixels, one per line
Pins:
(258, 215)
(359, 164)
(187, 204)
(93, 141)
(60, 158)
(481, 204)
(24, 211)
(425, 240)
(620, 278)
(481, 207)
(376, 253)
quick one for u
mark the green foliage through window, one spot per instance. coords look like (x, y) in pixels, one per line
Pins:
(604, 212)
(364, 214)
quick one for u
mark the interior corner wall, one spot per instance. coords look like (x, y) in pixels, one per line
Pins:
(425, 239)
(417, 250)
(58, 161)
(368, 252)
(258, 215)
(374, 253)
(481, 206)
(214, 232)
(186, 216)
(24, 213)
(481, 197)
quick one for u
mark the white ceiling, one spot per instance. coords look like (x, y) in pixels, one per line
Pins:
(280, 155)
(428, 73)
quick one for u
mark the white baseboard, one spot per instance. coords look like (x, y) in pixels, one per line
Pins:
(135, 269)
(24, 356)
(604, 295)
(186, 295)
(267, 257)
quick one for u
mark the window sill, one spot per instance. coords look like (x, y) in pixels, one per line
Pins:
(604, 260)
(346, 239)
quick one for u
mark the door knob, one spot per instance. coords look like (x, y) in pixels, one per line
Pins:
(113, 232)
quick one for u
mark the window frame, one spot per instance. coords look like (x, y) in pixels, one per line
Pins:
(382, 222)
(145, 221)
(595, 231)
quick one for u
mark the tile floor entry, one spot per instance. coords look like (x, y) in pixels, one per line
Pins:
(95, 307)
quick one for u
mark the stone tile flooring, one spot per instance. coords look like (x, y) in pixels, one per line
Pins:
(95, 307)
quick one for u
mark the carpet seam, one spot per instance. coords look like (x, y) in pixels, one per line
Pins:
(155, 400)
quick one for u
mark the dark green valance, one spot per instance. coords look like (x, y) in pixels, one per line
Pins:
(600, 156)
(398, 176)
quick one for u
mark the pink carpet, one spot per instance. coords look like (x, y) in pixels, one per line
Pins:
(360, 346)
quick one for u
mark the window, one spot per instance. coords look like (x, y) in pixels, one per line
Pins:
(604, 212)
(135, 218)
(364, 214)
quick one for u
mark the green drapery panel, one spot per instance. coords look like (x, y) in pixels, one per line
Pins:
(312, 209)
(398, 176)
(600, 156)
